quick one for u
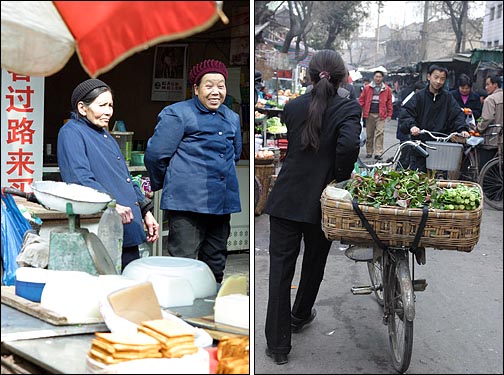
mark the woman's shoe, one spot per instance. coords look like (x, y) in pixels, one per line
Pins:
(298, 324)
(279, 358)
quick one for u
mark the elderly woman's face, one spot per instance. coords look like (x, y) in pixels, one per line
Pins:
(211, 91)
(100, 110)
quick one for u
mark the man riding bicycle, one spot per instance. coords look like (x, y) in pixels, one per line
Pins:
(432, 108)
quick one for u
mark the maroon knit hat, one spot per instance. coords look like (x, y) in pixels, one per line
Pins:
(204, 67)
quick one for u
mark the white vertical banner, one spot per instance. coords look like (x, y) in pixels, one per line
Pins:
(22, 130)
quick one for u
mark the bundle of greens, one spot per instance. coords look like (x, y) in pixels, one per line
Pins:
(403, 188)
(275, 126)
(460, 197)
(411, 189)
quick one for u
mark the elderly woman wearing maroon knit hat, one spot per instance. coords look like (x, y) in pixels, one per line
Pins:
(192, 156)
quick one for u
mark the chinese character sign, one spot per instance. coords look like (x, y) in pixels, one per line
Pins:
(22, 130)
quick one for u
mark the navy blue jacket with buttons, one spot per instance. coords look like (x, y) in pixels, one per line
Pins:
(192, 156)
(90, 156)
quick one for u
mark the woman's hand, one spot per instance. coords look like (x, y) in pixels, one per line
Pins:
(125, 213)
(152, 227)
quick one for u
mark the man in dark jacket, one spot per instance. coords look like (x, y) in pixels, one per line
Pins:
(433, 109)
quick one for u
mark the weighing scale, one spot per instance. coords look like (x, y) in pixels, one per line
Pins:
(73, 248)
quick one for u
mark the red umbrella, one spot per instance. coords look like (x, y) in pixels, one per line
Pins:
(39, 37)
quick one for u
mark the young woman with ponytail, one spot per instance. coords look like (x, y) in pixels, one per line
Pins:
(323, 132)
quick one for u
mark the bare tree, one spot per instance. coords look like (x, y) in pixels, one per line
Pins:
(457, 11)
(335, 22)
(264, 13)
(300, 13)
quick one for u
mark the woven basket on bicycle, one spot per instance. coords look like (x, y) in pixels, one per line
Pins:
(395, 226)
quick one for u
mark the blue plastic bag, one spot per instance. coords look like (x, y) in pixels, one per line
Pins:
(14, 226)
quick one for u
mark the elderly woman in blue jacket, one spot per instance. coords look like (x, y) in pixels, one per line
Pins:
(88, 155)
(192, 156)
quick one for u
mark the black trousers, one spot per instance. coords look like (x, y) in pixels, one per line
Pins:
(284, 248)
(129, 254)
(200, 236)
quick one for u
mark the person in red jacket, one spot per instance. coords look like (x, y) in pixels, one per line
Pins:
(376, 103)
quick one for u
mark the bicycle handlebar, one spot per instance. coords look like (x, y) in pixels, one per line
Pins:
(444, 138)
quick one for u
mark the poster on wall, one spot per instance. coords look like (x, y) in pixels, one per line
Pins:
(22, 134)
(169, 73)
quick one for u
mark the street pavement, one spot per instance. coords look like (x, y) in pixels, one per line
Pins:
(458, 328)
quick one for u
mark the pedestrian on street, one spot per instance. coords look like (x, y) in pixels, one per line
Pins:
(192, 156)
(323, 145)
(492, 114)
(376, 103)
(466, 98)
(88, 155)
(432, 108)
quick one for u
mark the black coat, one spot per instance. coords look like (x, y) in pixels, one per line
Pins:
(305, 173)
(473, 102)
(437, 114)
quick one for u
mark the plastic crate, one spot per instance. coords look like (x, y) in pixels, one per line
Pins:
(445, 157)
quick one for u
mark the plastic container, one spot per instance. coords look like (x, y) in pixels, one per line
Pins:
(445, 157)
(30, 282)
(137, 158)
(125, 142)
(195, 271)
(110, 232)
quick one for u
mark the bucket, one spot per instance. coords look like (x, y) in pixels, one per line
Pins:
(125, 142)
(137, 158)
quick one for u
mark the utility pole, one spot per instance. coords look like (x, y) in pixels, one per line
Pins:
(377, 34)
(424, 32)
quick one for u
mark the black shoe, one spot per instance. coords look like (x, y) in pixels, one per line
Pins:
(279, 358)
(377, 157)
(298, 324)
(369, 156)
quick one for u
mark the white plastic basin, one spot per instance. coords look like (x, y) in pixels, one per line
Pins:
(195, 271)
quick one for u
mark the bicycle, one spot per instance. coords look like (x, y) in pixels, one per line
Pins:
(391, 268)
(489, 176)
(391, 280)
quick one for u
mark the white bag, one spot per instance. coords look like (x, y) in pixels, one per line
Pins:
(363, 136)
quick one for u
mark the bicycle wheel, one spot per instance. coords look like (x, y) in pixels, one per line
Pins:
(490, 180)
(375, 274)
(398, 298)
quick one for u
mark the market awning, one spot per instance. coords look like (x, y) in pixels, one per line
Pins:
(491, 55)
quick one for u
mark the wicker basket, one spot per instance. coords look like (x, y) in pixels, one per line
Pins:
(264, 174)
(395, 226)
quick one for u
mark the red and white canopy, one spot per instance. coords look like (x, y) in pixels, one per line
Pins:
(39, 37)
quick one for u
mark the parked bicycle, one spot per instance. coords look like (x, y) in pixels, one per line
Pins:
(489, 176)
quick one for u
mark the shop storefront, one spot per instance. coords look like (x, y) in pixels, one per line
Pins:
(143, 85)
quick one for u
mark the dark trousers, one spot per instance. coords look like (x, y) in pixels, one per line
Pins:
(200, 236)
(284, 248)
(129, 254)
